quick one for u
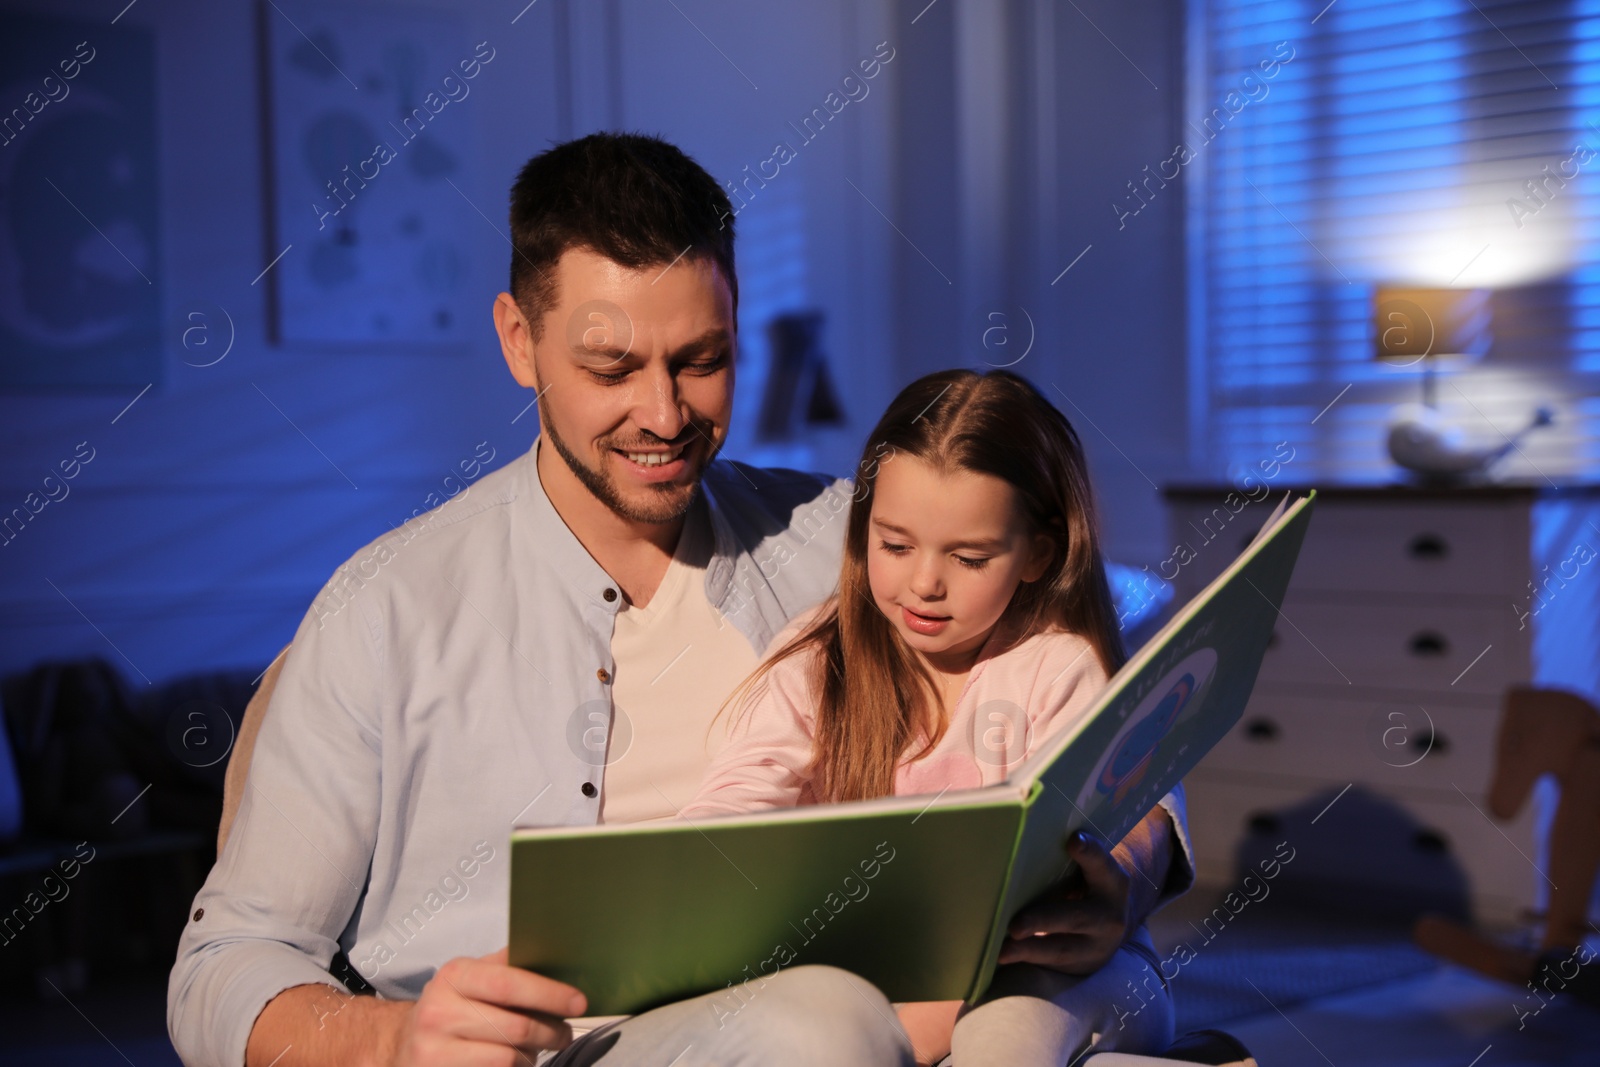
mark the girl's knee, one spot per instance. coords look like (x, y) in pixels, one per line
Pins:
(822, 1015)
(1033, 1015)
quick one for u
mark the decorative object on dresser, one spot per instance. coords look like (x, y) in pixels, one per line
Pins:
(1430, 326)
(1369, 740)
(1421, 441)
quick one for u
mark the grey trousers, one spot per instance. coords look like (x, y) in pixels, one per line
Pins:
(801, 1017)
(825, 1017)
(1034, 1017)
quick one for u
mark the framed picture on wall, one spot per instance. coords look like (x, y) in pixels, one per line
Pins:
(368, 138)
(80, 288)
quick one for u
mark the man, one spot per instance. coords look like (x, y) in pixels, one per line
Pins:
(451, 682)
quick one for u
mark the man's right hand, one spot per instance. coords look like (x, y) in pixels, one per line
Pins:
(484, 1012)
(473, 1013)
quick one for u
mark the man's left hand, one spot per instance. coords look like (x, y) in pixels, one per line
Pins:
(1076, 927)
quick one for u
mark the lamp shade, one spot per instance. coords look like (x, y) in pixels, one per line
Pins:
(1415, 324)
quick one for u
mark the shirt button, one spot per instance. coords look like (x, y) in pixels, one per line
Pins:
(199, 913)
(589, 790)
(603, 674)
(609, 594)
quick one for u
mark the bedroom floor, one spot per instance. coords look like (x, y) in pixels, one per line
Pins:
(1303, 986)
(1445, 1017)
(1296, 986)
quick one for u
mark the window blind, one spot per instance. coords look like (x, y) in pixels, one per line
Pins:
(1341, 146)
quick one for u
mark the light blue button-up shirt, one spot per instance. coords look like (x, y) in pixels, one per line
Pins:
(435, 697)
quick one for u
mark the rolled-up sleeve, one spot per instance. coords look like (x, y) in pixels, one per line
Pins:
(292, 873)
(1180, 872)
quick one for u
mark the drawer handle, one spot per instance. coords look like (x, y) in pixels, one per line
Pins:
(1261, 730)
(1430, 842)
(1429, 546)
(1429, 643)
(1264, 822)
(1432, 744)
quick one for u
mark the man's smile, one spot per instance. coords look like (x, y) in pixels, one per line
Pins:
(652, 457)
(658, 464)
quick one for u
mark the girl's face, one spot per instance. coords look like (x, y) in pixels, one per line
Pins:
(944, 555)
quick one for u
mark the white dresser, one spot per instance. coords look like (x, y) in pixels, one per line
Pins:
(1368, 742)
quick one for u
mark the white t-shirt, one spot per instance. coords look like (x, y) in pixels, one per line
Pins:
(677, 659)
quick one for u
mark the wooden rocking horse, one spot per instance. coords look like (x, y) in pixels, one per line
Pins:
(1542, 731)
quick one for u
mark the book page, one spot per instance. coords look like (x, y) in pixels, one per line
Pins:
(1034, 765)
(1158, 717)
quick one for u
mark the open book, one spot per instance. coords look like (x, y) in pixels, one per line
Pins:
(912, 893)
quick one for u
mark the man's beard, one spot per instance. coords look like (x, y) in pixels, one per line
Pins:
(671, 502)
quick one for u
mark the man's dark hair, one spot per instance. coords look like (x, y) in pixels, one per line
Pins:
(634, 199)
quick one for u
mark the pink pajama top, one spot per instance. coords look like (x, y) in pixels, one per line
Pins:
(1013, 700)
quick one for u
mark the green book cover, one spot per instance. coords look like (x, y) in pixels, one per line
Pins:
(912, 893)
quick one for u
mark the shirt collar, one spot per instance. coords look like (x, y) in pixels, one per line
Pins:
(555, 542)
(550, 539)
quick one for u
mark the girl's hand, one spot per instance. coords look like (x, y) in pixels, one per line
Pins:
(1078, 926)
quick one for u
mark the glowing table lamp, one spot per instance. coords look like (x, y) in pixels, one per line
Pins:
(1426, 326)
(1429, 325)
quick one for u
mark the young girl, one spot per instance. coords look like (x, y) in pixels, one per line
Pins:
(972, 621)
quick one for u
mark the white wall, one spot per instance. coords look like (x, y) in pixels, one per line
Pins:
(1052, 109)
(206, 522)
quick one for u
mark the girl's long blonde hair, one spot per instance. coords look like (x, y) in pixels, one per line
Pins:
(876, 699)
